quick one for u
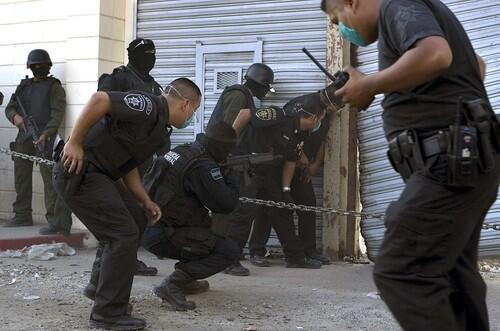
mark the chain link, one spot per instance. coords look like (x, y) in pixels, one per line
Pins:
(31, 158)
(260, 202)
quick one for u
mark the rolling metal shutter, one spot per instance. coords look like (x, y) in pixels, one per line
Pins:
(379, 183)
(283, 26)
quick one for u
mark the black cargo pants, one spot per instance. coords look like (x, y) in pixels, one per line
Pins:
(238, 224)
(281, 220)
(302, 194)
(199, 266)
(427, 269)
(108, 212)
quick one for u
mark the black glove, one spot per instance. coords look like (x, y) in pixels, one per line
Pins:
(328, 96)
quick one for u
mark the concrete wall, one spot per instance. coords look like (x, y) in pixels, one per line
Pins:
(84, 39)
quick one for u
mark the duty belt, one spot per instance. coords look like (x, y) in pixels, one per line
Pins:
(408, 152)
(435, 144)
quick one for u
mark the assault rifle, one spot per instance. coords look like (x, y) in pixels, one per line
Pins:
(244, 163)
(30, 127)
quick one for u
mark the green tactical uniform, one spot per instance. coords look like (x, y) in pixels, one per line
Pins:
(57, 213)
(233, 102)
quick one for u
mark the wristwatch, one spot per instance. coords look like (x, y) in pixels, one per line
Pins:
(286, 189)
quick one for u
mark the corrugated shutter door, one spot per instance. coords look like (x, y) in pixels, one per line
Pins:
(285, 27)
(379, 183)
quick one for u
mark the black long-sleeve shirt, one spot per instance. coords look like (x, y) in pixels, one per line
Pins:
(215, 191)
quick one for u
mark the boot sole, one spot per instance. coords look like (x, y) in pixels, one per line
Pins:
(143, 273)
(240, 274)
(112, 326)
(302, 266)
(171, 301)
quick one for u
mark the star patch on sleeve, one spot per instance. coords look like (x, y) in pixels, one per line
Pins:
(138, 102)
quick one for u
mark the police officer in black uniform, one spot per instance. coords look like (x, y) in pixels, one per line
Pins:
(444, 142)
(282, 132)
(184, 184)
(135, 77)
(115, 133)
(302, 193)
(258, 80)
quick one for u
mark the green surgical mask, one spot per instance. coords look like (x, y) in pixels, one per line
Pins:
(351, 35)
(188, 122)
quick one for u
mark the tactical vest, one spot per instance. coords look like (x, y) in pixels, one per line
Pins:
(35, 97)
(218, 113)
(116, 153)
(133, 81)
(179, 208)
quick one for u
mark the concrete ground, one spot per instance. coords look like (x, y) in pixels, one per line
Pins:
(47, 296)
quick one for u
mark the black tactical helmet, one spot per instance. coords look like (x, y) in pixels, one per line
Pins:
(261, 74)
(38, 56)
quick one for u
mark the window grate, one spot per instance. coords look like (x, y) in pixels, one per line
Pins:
(225, 78)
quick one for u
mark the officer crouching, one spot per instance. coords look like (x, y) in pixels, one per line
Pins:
(186, 183)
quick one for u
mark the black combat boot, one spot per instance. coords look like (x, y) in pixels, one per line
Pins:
(15, 222)
(170, 290)
(144, 270)
(305, 263)
(259, 261)
(195, 287)
(125, 322)
(237, 269)
(53, 229)
(315, 255)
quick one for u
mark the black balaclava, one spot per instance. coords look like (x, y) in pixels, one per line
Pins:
(258, 90)
(41, 71)
(142, 55)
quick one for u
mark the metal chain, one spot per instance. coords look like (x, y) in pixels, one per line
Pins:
(260, 202)
(293, 206)
(342, 212)
(31, 158)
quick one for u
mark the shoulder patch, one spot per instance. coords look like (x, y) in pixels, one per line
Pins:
(171, 157)
(266, 114)
(216, 174)
(138, 102)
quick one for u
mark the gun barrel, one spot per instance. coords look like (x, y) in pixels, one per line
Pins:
(21, 107)
(329, 75)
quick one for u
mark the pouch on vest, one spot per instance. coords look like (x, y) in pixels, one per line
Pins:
(483, 119)
(462, 152)
(405, 154)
